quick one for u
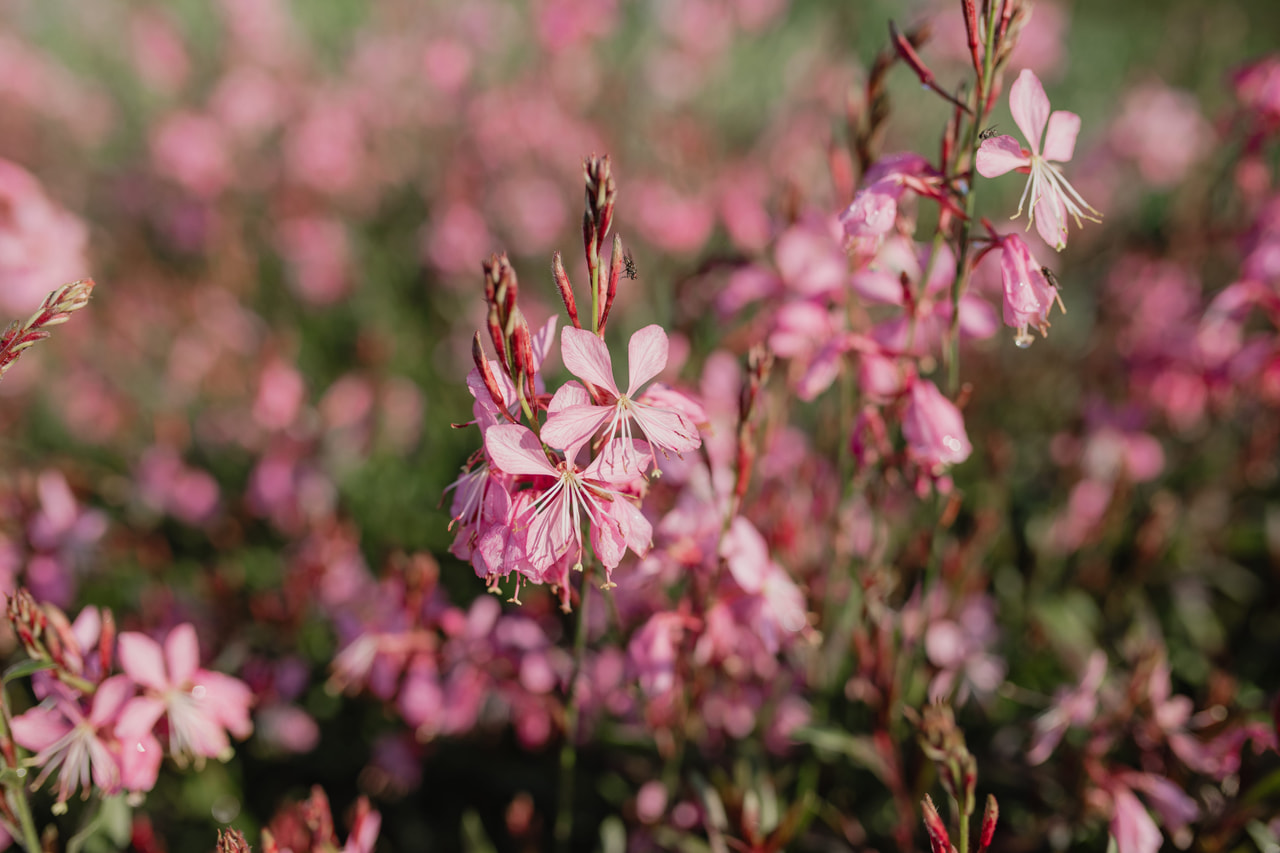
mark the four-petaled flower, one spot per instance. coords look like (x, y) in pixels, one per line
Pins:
(588, 358)
(552, 523)
(1047, 192)
(201, 705)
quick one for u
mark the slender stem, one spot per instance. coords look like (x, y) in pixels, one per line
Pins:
(569, 749)
(964, 832)
(17, 794)
(982, 95)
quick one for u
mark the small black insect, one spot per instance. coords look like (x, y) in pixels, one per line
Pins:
(1051, 278)
(989, 133)
(630, 263)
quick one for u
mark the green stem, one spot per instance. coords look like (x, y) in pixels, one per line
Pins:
(569, 749)
(963, 846)
(17, 794)
(961, 281)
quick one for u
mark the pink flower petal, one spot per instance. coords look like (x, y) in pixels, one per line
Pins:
(669, 429)
(619, 462)
(182, 653)
(587, 358)
(1030, 106)
(572, 426)
(646, 356)
(139, 717)
(1060, 141)
(570, 394)
(1000, 155)
(142, 660)
(109, 699)
(1051, 219)
(515, 450)
(39, 728)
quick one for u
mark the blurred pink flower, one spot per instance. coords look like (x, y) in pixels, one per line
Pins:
(281, 393)
(41, 245)
(159, 52)
(934, 428)
(1047, 192)
(1163, 131)
(200, 706)
(84, 749)
(319, 257)
(192, 150)
(1258, 87)
(671, 221)
(1132, 828)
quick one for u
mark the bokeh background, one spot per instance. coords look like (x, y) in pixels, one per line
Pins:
(286, 205)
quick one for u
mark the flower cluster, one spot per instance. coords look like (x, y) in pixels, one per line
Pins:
(103, 732)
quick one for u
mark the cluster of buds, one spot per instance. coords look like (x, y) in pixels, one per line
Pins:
(47, 637)
(307, 827)
(509, 333)
(942, 742)
(936, 827)
(57, 308)
(597, 219)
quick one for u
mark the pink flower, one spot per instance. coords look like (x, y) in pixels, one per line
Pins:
(588, 358)
(84, 749)
(1133, 829)
(1051, 197)
(553, 521)
(41, 245)
(201, 706)
(934, 427)
(1028, 296)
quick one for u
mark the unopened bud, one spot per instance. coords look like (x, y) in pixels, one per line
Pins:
(231, 841)
(616, 262)
(989, 818)
(939, 841)
(486, 373)
(565, 289)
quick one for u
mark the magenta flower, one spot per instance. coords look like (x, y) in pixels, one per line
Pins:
(553, 522)
(201, 706)
(588, 358)
(84, 749)
(1028, 295)
(1047, 192)
(934, 428)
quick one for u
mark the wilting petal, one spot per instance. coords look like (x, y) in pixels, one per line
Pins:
(514, 450)
(1060, 141)
(1000, 155)
(646, 356)
(587, 358)
(1030, 106)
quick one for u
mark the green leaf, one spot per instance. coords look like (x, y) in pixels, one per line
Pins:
(860, 749)
(22, 669)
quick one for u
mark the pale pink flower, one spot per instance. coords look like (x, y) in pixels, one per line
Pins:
(82, 748)
(553, 521)
(41, 245)
(934, 427)
(1028, 295)
(201, 706)
(587, 357)
(1047, 192)
(1133, 829)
